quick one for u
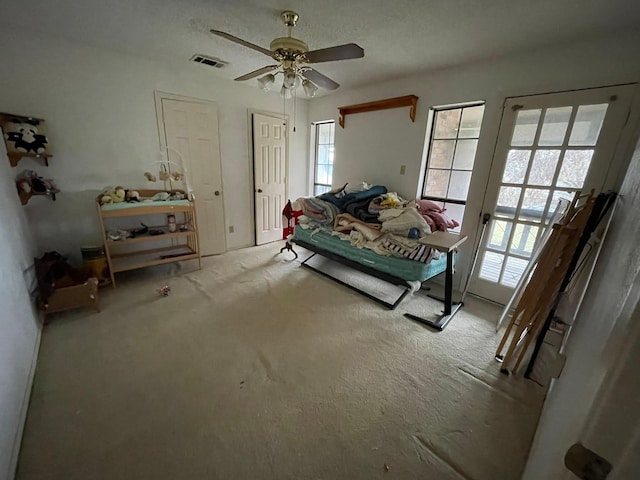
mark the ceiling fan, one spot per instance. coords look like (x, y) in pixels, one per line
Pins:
(293, 55)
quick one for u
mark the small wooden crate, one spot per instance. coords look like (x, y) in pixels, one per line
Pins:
(74, 296)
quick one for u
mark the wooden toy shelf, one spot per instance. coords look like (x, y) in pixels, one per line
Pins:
(139, 252)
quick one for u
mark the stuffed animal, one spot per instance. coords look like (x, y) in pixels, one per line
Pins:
(150, 176)
(25, 136)
(112, 195)
(120, 195)
(160, 197)
(132, 196)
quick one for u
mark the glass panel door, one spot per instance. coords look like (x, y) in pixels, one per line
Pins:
(549, 147)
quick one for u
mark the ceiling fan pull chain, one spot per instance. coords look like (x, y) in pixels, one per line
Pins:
(295, 96)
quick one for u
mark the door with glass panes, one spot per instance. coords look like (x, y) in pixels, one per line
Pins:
(549, 147)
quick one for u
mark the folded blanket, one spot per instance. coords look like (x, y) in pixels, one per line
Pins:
(319, 211)
(420, 253)
(345, 223)
(342, 201)
(408, 219)
(360, 210)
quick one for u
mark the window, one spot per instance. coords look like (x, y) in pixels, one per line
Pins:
(452, 153)
(323, 166)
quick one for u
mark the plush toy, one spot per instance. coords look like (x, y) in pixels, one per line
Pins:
(25, 136)
(164, 291)
(160, 197)
(119, 195)
(105, 199)
(29, 180)
(132, 196)
(150, 176)
(112, 195)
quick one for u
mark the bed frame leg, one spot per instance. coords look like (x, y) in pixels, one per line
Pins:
(450, 308)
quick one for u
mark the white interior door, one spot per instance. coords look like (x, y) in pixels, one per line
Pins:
(270, 176)
(548, 147)
(191, 128)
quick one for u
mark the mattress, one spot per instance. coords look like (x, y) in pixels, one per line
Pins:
(403, 268)
(125, 205)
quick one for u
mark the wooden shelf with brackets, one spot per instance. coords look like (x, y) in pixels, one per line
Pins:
(25, 196)
(396, 102)
(14, 158)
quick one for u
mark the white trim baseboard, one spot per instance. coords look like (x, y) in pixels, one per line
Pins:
(17, 443)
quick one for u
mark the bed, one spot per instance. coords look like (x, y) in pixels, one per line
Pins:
(405, 273)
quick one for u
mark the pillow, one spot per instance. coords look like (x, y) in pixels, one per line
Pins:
(428, 205)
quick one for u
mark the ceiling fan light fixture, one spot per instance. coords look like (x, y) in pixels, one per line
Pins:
(291, 80)
(309, 88)
(285, 92)
(266, 82)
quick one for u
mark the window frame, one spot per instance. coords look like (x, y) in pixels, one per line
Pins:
(431, 138)
(317, 143)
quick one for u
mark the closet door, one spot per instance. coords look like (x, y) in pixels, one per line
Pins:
(191, 132)
(549, 147)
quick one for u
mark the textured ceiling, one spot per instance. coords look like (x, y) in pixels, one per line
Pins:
(399, 37)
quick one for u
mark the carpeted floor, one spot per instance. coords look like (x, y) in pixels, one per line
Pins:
(256, 368)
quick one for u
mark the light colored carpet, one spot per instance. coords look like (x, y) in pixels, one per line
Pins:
(256, 368)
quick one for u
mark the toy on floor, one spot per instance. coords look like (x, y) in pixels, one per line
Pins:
(164, 291)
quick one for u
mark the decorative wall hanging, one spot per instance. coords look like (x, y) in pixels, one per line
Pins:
(397, 102)
(24, 137)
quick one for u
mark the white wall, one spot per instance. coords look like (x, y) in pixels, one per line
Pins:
(19, 328)
(373, 146)
(605, 332)
(100, 113)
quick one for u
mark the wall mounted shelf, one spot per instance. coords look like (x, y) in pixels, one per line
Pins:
(14, 158)
(24, 196)
(397, 102)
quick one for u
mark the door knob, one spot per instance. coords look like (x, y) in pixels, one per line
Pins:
(217, 193)
(259, 190)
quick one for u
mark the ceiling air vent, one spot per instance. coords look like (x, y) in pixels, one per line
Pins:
(212, 62)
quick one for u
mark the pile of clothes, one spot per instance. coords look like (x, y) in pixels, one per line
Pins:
(371, 217)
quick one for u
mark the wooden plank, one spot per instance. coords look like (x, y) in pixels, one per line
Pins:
(150, 263)
(153, 209)
(148, 251)
(146, 237)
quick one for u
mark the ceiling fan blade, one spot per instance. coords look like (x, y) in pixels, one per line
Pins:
(257, 73)
(331, 54)
(320, 80)
(228, 36)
